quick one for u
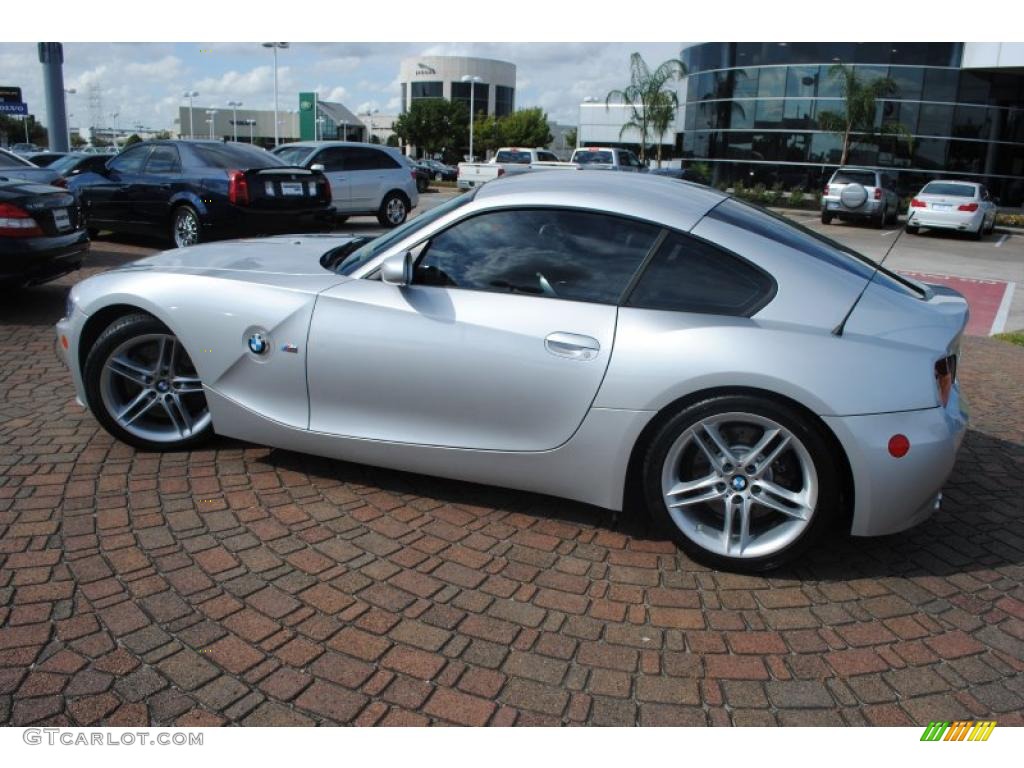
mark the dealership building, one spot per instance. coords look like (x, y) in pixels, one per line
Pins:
(441, 77)
(752, 112)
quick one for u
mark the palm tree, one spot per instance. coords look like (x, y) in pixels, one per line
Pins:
(646, 90)
(662, 111)
(860, 101)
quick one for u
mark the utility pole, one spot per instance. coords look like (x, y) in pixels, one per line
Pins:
(472, 80)
(275, 46)
(234, 118)
(51, 56)
(191, 125)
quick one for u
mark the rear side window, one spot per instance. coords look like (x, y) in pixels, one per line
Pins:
(561, 254)
(332, 159)
(131, 160)
(864, 178)
(240, 157)
(295, 155)
(950, 190)
(364, 159)
(517, 158)
(691, 275)
(586, 156)
(163, 159)
(547, 157)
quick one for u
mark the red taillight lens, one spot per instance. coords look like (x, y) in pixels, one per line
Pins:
(826, 189)
(915, 203)
(238, 188)
(878, 194)
(325, 189)
(61, 182)
(899, 446)
(969, 207)
(945, 377)
(17, 222)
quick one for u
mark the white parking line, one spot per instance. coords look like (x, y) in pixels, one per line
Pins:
(999, 323)
(1001, 240)
(885, 234)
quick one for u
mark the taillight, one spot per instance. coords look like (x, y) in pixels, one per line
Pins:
(915, 203)
(969, 207)
(413, 174)
(501, 171)
(238, 188)
(60, 182)
(826, 190)
(325, 189)
(17, 222)
(878, 194)
(945, 377)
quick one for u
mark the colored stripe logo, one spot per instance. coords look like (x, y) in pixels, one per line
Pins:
(959, 730)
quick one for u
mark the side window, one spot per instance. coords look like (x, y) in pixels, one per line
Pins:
(130, 161)
(547, 157)
(633, 160)
(332, 159)
(624, 159)
(383, 161)
(691, 275)
(163, 159)
(562, 254)
(360, 159)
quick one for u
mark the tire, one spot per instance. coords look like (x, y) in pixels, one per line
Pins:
(979, 232)
(340, 219)
(743, 422)
(186, 229)
(913, 230)
(135, 398)
(882, 218)
(422, 183)
(393, 210)
(92, 233)
(826, 218)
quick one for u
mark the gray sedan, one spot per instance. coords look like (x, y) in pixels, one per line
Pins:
(599, 336)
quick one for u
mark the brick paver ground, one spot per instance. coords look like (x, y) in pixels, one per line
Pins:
(243, 585)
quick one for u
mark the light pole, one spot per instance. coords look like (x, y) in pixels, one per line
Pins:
(67, 115)
(275, 46)
(114, 135)
(213, 116)
(251, 122)
(191, 127)
(472, 80)
(234, 118)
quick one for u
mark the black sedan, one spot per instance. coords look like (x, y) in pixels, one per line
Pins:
(41, 237)
(75, 163)
(439, 171)
(192, 191)
(14, 166)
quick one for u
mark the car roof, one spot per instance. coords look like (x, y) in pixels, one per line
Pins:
(675, 203)
(321, 144)
(953, 181)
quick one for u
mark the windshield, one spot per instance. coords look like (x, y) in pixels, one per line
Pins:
(292, 155)
(586, 157)
(514, 157)
(864, 178)
(66, 163)
(950, 190)
(235, 156)
(13, 161)
(378, 245)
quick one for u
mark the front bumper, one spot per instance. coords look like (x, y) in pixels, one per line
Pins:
(890, 494)
(68, 332)
(961, 221)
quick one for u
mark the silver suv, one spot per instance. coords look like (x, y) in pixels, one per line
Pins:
(366, 179)
(860, 193)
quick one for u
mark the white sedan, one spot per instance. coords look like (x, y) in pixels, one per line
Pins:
(963, 206)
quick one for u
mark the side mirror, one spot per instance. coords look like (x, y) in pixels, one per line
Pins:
(397, 268)
(317, 167)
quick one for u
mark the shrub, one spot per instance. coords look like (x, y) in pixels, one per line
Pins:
(796, 197)
(1010, 219)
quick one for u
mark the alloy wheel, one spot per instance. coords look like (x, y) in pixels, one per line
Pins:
(186, 228)
(739, 485)
(395, 210)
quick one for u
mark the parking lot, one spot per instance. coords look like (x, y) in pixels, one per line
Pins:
(245, 585)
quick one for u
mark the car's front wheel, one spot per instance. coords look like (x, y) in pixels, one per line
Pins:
(185, 226)
(393, 210)
(143, 388)
(740, 482)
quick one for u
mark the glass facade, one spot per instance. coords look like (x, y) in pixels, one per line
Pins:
(754, 112)
(504, 100)
(460, 92)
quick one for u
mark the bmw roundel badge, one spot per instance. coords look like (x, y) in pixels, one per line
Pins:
(257, 344)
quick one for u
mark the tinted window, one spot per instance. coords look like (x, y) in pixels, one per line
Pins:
(235, 156)
(547, 157)
(690, 275)
(516, 157)
(163, 159)
(584, 157)
(332, 159)
(296, 155)
(363, 159)
(66, 163)
(130, 161)
(562, 254)
(383, 160)
(13, 161)
(866, 178)
(944, 188)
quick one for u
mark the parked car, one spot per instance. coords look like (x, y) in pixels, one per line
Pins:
(41, 237)
(191, 191)
(683, 174)
(14, 166)
(24, 148)
(859, 194)
(366, 179)
(509, 161)
(423, 176)
(440, 171)
(963, 206)
(575, 334)
(44, 159)
(607, 159)
(109, 150)
(75, 163)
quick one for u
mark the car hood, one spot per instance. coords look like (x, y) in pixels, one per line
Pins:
(287, 255)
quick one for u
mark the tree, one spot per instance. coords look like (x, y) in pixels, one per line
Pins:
(525, 128)
(162, 135)
(392, 140)
(374, 139)
(571, 137)
(860, 103)
(487, 134)
(646, 89)
(133, 139)
(15, 130)
(662, 109)
(77, 141)
(435, 126)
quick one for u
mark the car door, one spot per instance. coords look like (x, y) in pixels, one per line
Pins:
(109, 198)
(365, 177)
(500, 342)
(160, 175)
(333, 161)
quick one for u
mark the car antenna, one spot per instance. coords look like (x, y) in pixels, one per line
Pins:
(838, 330)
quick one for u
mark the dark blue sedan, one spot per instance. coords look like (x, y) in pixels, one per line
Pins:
(191, 191)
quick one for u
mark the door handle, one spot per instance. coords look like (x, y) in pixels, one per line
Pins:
(572, 345)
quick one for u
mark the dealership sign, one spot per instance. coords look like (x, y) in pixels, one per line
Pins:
(16, 108)
(425, 69)
(10, 93)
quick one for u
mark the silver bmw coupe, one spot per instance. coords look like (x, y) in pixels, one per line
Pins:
(598, 336)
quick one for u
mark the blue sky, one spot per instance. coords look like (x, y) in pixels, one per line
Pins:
(144, 82)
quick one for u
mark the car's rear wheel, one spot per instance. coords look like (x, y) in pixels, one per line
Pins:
(741, 482)
(393, 210)
(826, 218)
(143, 388)
(185, 226)
(912, 230)
(883, 217)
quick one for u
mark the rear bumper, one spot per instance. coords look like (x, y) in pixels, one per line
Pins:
(956, 220)
(38, 259)
(835, 207)
(890, 494)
